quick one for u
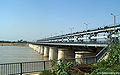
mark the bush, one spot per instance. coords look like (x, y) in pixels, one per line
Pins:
(114, 52)
(102, 63)
(100, 71)
(116, 68)
(45, 72)
(62, 68)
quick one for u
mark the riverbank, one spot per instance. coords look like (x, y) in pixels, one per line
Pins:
(13, 44)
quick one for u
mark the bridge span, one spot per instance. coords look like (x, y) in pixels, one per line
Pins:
(90, 45)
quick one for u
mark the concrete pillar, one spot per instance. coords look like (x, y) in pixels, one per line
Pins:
(46, 51)
(35, 47)
(79, 57)
(39, 49)
(53, 53)
(42, 50)
(65, 53)
(31, 46)
(81, 54)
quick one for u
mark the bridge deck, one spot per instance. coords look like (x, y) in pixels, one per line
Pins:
(73, 44)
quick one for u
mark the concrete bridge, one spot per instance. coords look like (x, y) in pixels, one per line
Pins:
(90, 45)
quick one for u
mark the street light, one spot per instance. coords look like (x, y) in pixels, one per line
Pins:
(61, 32)
(114, 20)
(86, 30)
(71, 29)
(55, 34)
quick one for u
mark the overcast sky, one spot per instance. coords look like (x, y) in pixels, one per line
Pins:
(35, 19)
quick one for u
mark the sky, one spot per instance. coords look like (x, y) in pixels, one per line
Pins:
(36, 19)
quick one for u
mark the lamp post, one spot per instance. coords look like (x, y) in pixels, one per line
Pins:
(61, 32)
(61, 35)
(51, 35)
(71, 29)
(55, 34)
(114, 20)
(86, 30)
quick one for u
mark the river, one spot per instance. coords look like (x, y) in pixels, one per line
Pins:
(11, 54)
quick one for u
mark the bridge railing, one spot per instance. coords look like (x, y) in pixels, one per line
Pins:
(101, 54)
(88, 42)
(23, 67)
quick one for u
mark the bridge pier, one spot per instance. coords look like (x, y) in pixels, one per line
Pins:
(53, 53)
(39, 49)
(46, 51)
(65, 53)
(35, 47)
(42, 50)
(81, 57)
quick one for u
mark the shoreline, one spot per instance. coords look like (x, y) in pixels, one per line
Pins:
(13, 44)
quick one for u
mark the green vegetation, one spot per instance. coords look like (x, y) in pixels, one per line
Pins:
(45, 72)
(19, 41)
(62, 68)
(114, 53)
(99, 71)
(112, 63)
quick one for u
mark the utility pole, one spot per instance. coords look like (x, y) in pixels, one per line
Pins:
(114, 20)
(86, 30)
(71, 29)
(51, 34)
(61, 32)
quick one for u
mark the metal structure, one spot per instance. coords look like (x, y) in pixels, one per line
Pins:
(99, 35)
(22, 67)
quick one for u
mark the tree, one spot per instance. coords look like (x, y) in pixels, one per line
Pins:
(114, 51)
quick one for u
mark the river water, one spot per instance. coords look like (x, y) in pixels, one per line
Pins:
(11, 54)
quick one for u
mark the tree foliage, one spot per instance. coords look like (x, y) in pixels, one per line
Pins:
(19, 41)
(114, 52)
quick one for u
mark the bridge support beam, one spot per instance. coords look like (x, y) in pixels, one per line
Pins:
(65, 53)
(46, 51)
(42, 50)
(53, 53)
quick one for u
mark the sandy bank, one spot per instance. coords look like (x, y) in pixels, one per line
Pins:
(13, 44)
